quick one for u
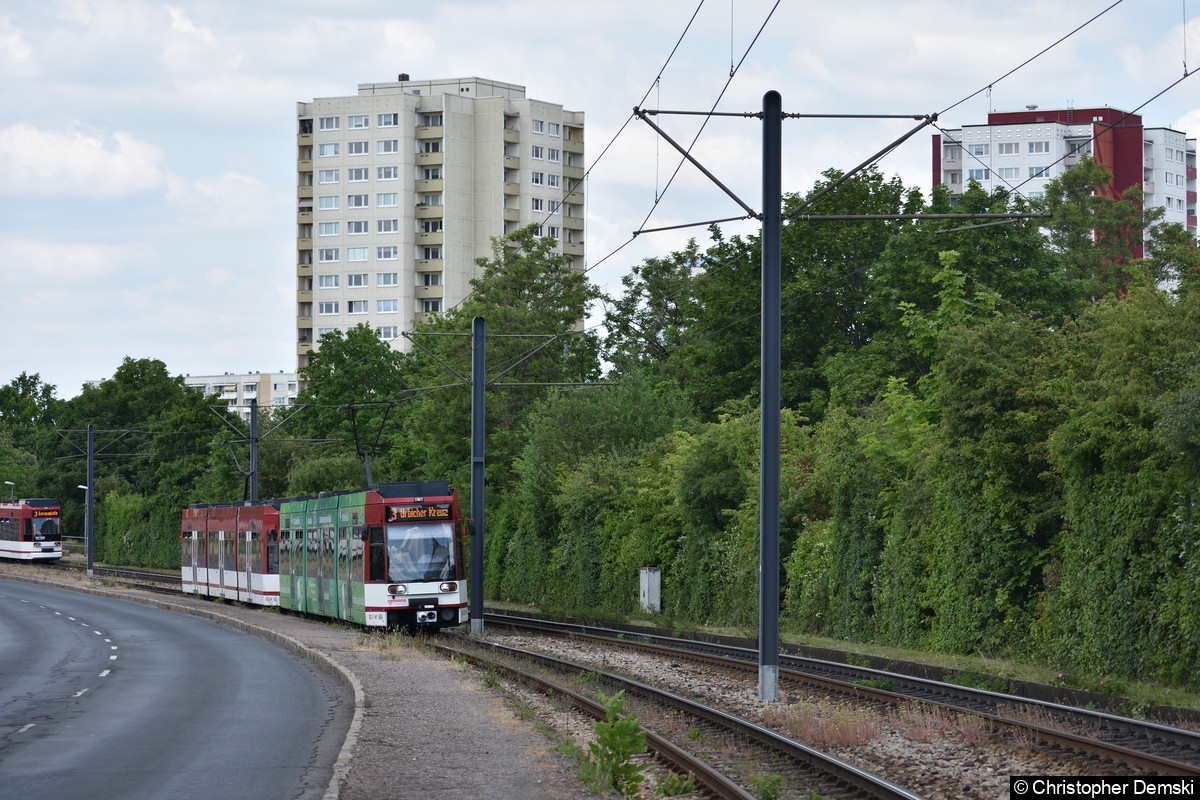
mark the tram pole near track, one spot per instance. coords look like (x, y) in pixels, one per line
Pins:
(478, 440)
(89, 517)
(771, 398)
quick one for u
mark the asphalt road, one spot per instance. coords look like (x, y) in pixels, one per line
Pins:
(101, 698)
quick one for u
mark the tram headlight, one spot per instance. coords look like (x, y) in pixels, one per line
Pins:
(449, 586)
(397, 588)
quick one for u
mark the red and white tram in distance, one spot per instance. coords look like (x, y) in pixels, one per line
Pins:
(31, 530)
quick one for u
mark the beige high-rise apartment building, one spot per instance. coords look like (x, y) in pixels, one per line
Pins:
(402, 186)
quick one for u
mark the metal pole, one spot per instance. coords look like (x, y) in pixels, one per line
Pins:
(478, 382)
(768, 492)
(254, 449)
(89, 517)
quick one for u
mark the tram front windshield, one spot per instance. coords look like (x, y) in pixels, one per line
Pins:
(47, 529)
(420, 552)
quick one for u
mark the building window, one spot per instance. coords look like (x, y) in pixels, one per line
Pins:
(431, 306)
(536, 178)
(387, 332)
(1039, 172)
(536, 204)
(432, 173)
(978, 149)
(358, 175)
(387, 306)
(552, 181)
(431, 279)
(388, 173)
(328, 228)
(389, 253)
(387, 226)
(329, 202)
(431, 146)
(356, 280)
(432, 199)
(329, 176)
(329, 123)
(322, 331)
(387, 200)
(356, 254)
(432, 120)
(536, 151)
(1039, 147)
(327, 281)
(553, 232)
(432, 252)
(952, 176)
(552, 128)
(356, 122)
(951, 152)
(979, 174)
(327, 308)
(356, 307)
(328, 149)
(1008, 148)
(357, 227)
(432, 226)
(554, 204)
(387, 146)
(387, 279)
(356, 201)
(538, 126)
(357, 148)
(388, 120)
(1009, 173)
(552, 155)
(327, 255)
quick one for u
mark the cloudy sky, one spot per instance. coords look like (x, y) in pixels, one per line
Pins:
(147, 149)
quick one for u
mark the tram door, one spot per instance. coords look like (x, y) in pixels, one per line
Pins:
(195, 543)
(247, 562)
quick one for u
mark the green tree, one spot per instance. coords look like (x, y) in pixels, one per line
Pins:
(1096, 233)
(26, 403)
(649, 325)
(533, 303)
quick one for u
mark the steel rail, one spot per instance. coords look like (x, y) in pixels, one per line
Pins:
(848, 775)
(745, 659)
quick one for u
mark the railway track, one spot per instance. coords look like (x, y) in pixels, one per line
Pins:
(723, 753)
(1156, 748)
(142, 579)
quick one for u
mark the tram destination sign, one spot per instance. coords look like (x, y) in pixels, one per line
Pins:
(40, 513)
(417, 513)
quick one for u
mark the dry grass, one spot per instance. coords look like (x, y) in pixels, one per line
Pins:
(824, 724)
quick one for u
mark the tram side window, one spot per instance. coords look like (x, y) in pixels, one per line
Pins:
(378, 554)
(272, 553)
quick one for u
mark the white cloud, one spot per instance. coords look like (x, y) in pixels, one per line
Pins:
(54, 267)
(40, 162)
(16, 53)
(228, 202)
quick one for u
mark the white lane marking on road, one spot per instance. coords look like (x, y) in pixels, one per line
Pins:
(27, 727)
(112, 658)
(81, 691)
(105, 673)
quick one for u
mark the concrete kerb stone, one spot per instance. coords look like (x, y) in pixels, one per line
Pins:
(341, 767)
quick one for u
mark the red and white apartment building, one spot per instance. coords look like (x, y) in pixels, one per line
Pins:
(1021, 150)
